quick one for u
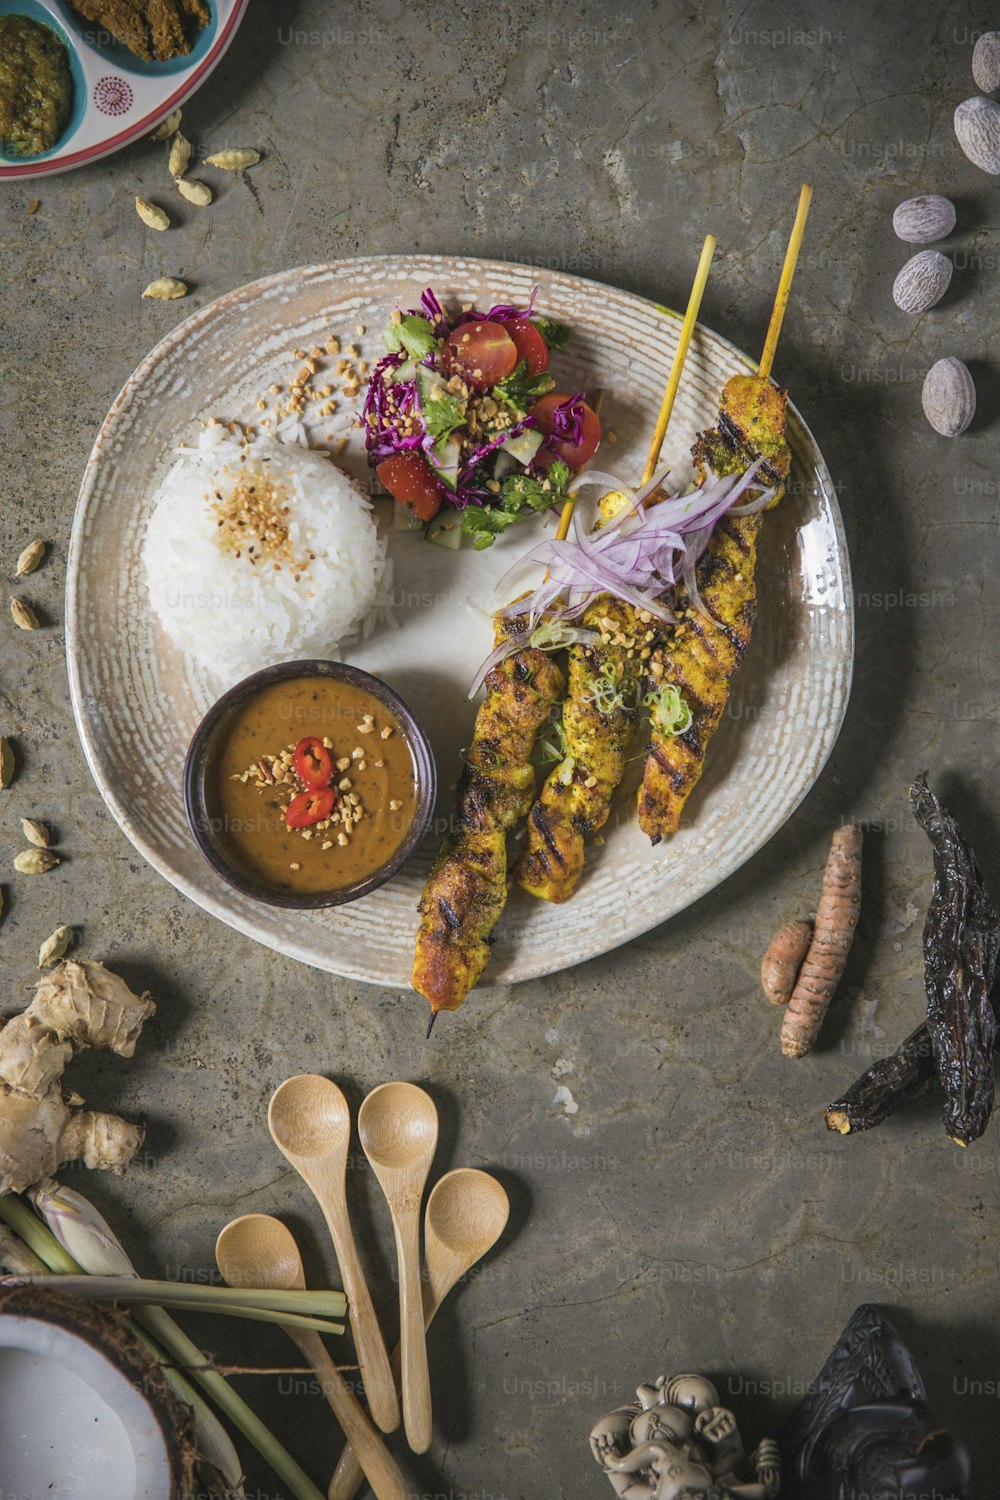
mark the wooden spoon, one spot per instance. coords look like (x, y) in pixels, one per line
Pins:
(398, 1126)
(258, 1251)
(310, 1123)
(466, 1215)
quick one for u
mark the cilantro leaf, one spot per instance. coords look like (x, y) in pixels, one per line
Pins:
(412, 333)
(556, 335)
(521, 495)
(442, 414)
(521, 490)
(520, 389)
(483, 523)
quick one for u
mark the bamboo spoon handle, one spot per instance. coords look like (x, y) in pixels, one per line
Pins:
(376, 1461)
(416, 1378)
(348, 1475)
(380, 1388)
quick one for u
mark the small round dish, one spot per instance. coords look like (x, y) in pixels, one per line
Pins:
(208, 745)
(117, 97)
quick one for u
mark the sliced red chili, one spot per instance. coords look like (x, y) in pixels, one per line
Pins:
(312, 762)
(310, 807)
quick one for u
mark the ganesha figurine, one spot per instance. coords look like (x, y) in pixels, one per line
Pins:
(675, 1442)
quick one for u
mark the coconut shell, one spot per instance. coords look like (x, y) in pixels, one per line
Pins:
(110, 1333)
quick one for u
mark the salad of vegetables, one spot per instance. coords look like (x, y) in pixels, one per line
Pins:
(462, 419)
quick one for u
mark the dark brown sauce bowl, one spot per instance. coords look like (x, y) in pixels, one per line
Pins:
(198, 764)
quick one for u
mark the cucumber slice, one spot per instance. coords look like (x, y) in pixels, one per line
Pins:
(403, 519)
(445, 458)
(445, 530)
(403, 372)
(524, 446)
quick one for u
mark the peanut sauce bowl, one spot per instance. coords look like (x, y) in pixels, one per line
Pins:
(239, 778)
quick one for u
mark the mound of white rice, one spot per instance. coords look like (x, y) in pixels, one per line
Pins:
(234, 599)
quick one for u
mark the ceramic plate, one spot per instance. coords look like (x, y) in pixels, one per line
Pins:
(116, 96)
(137, 702)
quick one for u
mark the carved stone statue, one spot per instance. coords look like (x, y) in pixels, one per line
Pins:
(676, 1443)
(865, 1427)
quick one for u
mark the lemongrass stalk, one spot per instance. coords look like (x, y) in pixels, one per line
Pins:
(220, 1301)
(80, 1228)
(215, 1447)
(36, 1236)
(178, 1346)
(318, 1325)
(15, 1255)
(319, 1306)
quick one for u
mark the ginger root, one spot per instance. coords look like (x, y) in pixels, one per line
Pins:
(76, 1005)
(823, 965)
(779, 968)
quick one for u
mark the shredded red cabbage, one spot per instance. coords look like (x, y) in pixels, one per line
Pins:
(478, 454)
(432, 310)
(567, 419)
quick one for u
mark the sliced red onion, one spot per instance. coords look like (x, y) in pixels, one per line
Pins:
(640, 553)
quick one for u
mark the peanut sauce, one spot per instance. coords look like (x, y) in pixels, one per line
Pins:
(247, 807)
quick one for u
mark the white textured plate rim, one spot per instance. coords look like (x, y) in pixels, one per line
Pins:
(307, 953)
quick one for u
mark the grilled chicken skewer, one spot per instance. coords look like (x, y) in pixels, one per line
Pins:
(708, 645)
(605, 683)
(467, 889)
(598, 719)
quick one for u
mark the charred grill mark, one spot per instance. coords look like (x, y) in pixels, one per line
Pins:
(449, 913)
(543, 826)
(675, 777)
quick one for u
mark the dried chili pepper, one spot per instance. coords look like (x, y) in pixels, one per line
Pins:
(961, 946)
(888, 1083)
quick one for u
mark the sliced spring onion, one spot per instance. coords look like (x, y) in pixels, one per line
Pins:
(668, 710)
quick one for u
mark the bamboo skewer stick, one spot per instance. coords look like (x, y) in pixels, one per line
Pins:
(785, 284)
(673, 381)
(677, 368)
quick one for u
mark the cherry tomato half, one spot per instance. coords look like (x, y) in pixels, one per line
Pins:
(310, 807)
(482, 353)
(409, 479)
(312, 762)
(574, 454)
(529, 344)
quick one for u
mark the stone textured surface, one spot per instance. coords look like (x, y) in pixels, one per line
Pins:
(692, 1211)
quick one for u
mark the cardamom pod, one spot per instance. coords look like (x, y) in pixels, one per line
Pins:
(165, 289)
(152, 214)
(30, 558)
(167, 127)
(35, 861)
(36, 833)
(180, 155)
(6, 763)
(233, 161)
(194, 191)
(23, 615)
(54, 947)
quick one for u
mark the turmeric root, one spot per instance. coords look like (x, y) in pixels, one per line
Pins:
(836, 920)
(779, 968)
(76, 1005)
